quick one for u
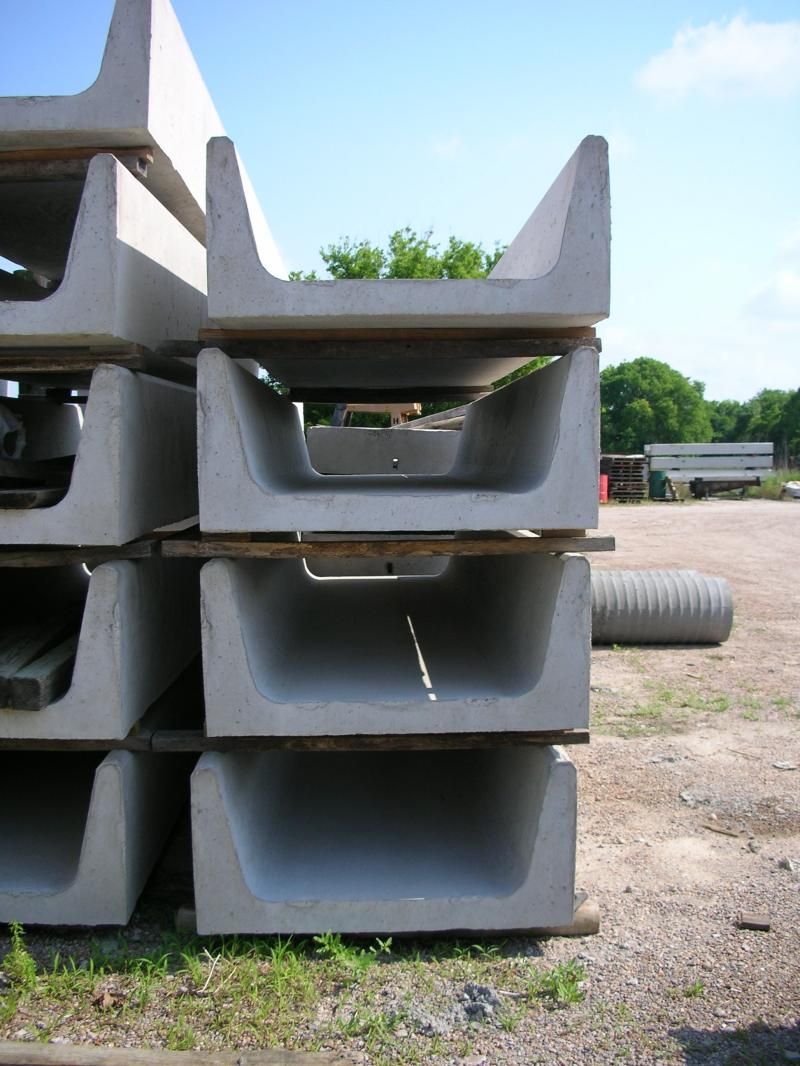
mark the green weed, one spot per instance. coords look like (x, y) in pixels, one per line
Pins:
(19, 964)
(560, 985)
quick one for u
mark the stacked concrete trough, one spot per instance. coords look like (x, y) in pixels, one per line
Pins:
(414, 837)
(102, 199)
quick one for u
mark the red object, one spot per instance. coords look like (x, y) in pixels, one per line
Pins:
(604, 488)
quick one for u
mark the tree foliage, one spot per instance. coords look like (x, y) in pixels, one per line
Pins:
(407, 254)
(644, 401)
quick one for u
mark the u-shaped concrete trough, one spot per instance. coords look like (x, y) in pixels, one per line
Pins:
(132, 273)
(527, 458)
(492, 643)
(80, 832)
(299, 842)
(149, 93)
(135, 461)
(555, 273)
(139, 628)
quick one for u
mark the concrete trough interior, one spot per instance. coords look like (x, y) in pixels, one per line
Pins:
(386, 841)
(137, 627)
(555, 272)
(491, 643)
(522, 461)
(78, 851)
(135, 460)
(111, 264)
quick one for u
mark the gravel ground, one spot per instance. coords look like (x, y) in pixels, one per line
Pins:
(689, 817)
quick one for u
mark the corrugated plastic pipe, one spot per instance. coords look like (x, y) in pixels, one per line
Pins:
(660, 607)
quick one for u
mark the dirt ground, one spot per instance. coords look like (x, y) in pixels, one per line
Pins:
(686, 819)
(689, 816)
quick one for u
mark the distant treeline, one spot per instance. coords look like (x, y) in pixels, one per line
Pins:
(646, 401)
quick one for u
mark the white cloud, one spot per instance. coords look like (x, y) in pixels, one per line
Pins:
(779, 298)
(448, 147)
(728, 59)
(621, 145)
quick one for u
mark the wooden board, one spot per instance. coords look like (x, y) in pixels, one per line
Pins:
(34, 1054)
(164, 740)
(378, 347)
(585, 334)
(43, 680)
(30, 556)
(25, 641)
(186, 741)
(48, 155)
(72, 367)
(491, 544)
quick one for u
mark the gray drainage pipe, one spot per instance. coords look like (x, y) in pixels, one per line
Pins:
(660, 607)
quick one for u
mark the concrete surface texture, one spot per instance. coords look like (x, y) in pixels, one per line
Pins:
(79, 832)
(527, 458)
(346, 450)
(299, 842)
(134, 468)
(139, 629)
(133, 274)
(493, 643)
(554, 273)
(149, 93)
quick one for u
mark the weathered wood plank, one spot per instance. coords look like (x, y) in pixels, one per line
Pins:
(403, 333)
(184, 740)
(412, 347)
(74, 366)
(47, 155)
(32, 1054)
(408, 393)
(28, 556)
(372, 549)
(43, 680)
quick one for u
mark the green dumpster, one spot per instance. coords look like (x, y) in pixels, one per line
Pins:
(658, 484)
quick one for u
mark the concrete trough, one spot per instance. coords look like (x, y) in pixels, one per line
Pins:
(555, 273)
(388, 842)
(527, 457)
(139, 628)
(127, 272)
(80, 832)
(148, 94)
(493, 643)
(134, 464)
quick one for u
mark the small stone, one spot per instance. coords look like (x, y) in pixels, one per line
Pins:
(787, 864)
(785, 765)
(688, 799)
(632, 981)
(629, 888)
(21, 1034)
(753, 845)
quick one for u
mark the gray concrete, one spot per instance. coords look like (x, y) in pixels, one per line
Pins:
(139, 630)
(527, 458)
(346, 450)
(555, 273)
(290, 842)
(149, 92)
(135, 464)
(133, 274)
(79, 832)
(493, 643)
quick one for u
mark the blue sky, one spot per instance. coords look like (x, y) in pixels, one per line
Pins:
(355, 118)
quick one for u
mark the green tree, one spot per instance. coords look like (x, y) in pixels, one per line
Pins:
(728, 419)
(408, 254)
(645, 401)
